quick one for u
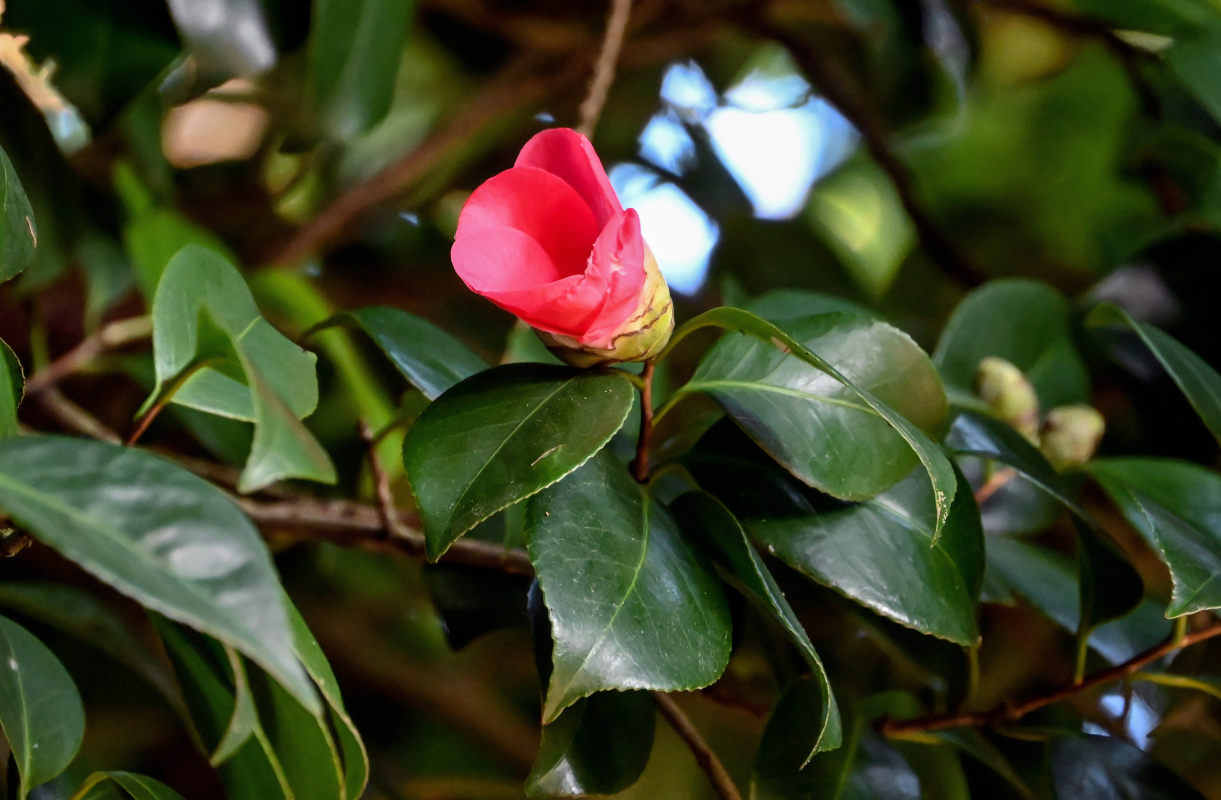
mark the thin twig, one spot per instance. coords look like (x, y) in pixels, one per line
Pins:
(842, 92)
(994, 483)
(604, 69)
(640, 467)
(353, 524)
(73, 417)
(108, 337)
(704, 755)
(392, 524)
(1012, 712)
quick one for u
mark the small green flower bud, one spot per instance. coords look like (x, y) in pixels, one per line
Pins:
(1009, 395)
(1071, 435)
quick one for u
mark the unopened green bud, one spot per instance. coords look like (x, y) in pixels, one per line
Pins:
(643, 335)
(1009, 395)
(1071, 435)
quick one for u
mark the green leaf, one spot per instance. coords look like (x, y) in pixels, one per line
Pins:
(1193, 58)
(599, 745)
(351, 749)
(1199, 382)
(703, 518)
(1102, 768)
(82, 614)
(17, 236)
(631, 605)
(1110, 587)
(12, 389)
(159, 534)
(139, 787)
(883, 553)
(354, 51)
(502, 435)
(215, 353)
(215, 690)
(838, 440)
(1177, 507)
(1024, 322)
(429, 358)
(40, 709)
(781, 305)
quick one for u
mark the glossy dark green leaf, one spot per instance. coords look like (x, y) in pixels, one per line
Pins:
(354, 51)
(300, 740)
(1177, 507)
(787, 304)
(976, 745)
(823, 423)
(12, 388)
(429, 358)
(1193, 58)
(138, 787)
(17, 232)
(599, 745)
(82, 614)
(704, 519)
(1024, 322)
(1199, 382)
(881, 553)
(1105, 768)
(40, 709)
(502, 435)
(631, 605)
(215, 353)
(157, 533)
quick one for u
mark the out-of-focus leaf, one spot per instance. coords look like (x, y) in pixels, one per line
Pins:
(429, 358)
(1024, 322)
(1105, 768)
(139, 787)
(351, 748)
(197, 560)
(12, 389)
(865, 768)
(226, 38)
(216, 353)
(1110, 587)
(354, 53)
(1199, 382)
(1194, 59)
(40, 709)
(705, 519)
(780, 305)
(974, 744)
(1177, 507)
(826, 425)
(83, 615)
(631, 605)
(882, 554)
(502, 435)
(598, 746)
(17, 233)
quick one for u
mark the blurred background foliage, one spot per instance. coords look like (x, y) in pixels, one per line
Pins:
(891, 153)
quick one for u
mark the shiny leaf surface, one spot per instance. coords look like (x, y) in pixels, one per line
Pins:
(631, 605)
(502, 435)
(195, 559)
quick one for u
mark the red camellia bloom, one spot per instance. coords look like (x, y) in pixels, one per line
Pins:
(549, 241)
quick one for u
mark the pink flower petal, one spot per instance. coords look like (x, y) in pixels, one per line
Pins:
(569, 155)
(543, 207)
(617, 263)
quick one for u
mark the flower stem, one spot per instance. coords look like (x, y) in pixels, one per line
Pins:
(640, 466)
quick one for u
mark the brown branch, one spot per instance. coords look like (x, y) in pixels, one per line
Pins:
(353, 524)
(1012, 712)
(108, 337)
(841, 91)
(708, 761)
(73, 417)
(640, 467)
(994, 484)
(604, 69)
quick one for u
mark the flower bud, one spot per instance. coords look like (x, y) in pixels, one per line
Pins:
(641, 336)
(1071, 435)
(1009, 395)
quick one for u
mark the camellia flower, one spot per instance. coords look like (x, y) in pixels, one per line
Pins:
(549, 241)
